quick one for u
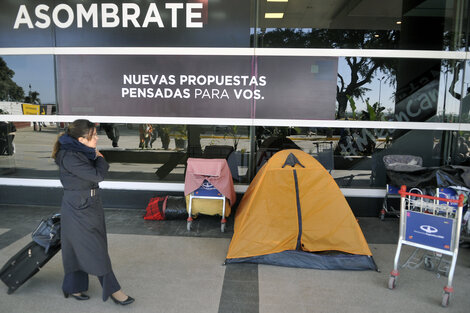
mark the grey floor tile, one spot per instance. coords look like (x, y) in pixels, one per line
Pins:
(168, 269)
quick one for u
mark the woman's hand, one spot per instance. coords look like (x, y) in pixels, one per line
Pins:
(98, 154)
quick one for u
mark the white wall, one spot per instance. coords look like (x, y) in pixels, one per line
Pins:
(13, 108)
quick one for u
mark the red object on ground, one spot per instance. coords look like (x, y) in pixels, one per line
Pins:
(155, 209)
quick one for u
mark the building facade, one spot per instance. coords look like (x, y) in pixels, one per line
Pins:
(346, 81)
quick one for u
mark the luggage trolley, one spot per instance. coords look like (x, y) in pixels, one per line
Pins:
(429, 223)
(395, 163)
(206, 191)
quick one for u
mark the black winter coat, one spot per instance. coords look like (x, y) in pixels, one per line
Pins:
(83, 230)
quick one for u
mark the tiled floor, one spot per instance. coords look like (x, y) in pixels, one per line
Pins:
(168, 269)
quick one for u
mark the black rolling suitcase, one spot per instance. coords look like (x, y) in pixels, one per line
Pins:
(25, 264)
(29, 260)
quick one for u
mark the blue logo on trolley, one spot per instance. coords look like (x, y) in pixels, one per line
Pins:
(429, 230)
(207, 189)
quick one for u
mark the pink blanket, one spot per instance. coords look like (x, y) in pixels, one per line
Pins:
(215, 171)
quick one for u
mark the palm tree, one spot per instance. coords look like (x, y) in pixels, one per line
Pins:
(33, 97)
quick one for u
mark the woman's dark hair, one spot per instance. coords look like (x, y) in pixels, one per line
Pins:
(77, 129)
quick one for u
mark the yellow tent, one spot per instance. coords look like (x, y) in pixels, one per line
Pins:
(294, 214)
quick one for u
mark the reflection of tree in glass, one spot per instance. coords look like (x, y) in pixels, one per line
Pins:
(362, 69)
(232, 132)
(456, 70)
(374, 112)
(33, 97)
(9, 90)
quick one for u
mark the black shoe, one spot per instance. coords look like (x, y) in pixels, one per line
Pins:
(82, 296)
(129, 300)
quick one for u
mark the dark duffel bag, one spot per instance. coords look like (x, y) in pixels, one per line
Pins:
(25, 264)
(47, 234)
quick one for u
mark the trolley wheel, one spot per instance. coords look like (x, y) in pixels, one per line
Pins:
(222, 227)
(445, 299)
(428, 264)
(188, 225)
(392, 282)
(383, 211)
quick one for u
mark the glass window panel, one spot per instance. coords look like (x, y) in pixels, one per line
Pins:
(417, 90)
(136, 152)
(151, 152)
(22, 36)
(27, 87)
(28, 79)
(354, 157)
(374, 89)
(28, 152)
(51, 23)
(460, 143)
(465, 103)
(363, 24)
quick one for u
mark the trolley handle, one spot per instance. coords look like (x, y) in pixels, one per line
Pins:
(404, 193)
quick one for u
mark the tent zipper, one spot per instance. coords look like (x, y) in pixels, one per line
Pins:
(299, 212)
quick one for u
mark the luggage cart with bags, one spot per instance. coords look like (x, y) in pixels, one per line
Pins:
(432, 224)
(395, 164)
(209, 192)
(440, 181)
(208, 189)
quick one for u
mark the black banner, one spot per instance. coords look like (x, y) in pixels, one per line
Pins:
(197, 86)
(128, 23)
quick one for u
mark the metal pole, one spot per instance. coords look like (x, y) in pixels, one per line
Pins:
(380, 87)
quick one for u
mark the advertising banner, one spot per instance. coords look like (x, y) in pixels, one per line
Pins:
(430, 230)
(31, 109)
(129, 23)
(197, 86)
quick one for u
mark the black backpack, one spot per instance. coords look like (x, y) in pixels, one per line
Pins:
(47, 234)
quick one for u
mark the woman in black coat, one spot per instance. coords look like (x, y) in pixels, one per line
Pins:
(83, 229)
